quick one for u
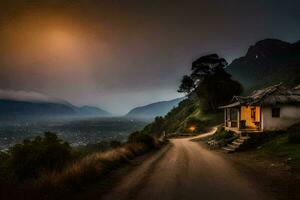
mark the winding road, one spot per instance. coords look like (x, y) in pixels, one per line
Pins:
(185, 170)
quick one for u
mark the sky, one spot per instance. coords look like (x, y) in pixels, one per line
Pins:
(119, 54)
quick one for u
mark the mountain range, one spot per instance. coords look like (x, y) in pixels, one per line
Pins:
(16, 109)
(268, 62)
(153, 110)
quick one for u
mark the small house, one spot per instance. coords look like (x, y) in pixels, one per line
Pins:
(270, 109)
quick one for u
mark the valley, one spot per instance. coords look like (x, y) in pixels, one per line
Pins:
(76, 131)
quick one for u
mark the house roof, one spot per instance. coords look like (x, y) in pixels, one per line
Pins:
(297, 87)
(273, 95)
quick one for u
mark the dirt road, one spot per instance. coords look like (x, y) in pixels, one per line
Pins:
(185, 170)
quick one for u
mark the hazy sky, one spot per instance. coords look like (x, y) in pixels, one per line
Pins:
(118, 54)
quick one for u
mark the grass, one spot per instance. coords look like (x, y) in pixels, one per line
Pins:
(83, 172)
(284, 147)
(220, 139)
(280, 148)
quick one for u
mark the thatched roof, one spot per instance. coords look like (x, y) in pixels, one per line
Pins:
(297, 89)
(273, 95)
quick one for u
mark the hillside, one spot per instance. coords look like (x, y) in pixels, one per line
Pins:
(266, 62)
(188, 113)
(17, 109)
(153, 110)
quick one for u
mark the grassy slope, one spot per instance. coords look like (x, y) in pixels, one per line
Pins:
(180, 118)
(279, 148)
(80, 174)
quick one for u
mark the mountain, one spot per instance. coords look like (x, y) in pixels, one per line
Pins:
(16, 109)
(91, 111)
(155, 109)
(266, 62)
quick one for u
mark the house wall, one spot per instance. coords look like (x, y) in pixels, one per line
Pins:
(246, 115)
(289, 115)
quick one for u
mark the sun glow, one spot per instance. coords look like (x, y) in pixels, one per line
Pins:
(61, 43)
(59, 39)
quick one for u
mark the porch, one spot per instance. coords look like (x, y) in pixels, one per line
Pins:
(243, 119)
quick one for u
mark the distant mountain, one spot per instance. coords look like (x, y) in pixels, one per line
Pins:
(91, 111)
(16, 109)
(155, 109)
(268, 61)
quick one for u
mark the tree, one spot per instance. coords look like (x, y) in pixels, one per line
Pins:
(209, 80)
(187, 84)
(31, 157)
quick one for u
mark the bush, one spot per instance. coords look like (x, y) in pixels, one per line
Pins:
(222, 134)
(142, 138)
(115, 143)
(4, 174)
(90, 148)
(294, 134)
(84, 171)
(28, 159)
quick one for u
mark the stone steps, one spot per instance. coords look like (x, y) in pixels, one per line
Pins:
(228, 149)
(236, 144)
(233, 146)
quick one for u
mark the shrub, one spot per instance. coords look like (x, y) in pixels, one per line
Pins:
(115, 143)
(294, 134)
(90, 148)
(28, 159)
(4, 171)
(222, 134)
(86, 170)
(142, 138)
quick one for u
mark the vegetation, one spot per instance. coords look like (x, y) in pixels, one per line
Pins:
(294, 134)
(85, 171)
(141, 138)
(208, 87)
(179, 120)
(220, 139)
(33, 157)
(222, 134)
(48, 165)
(212, 84)
(280, 147)
(101, 146)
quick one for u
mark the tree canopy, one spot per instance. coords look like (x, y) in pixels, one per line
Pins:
(209, 80)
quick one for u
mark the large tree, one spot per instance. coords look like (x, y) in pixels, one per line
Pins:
(209, 80)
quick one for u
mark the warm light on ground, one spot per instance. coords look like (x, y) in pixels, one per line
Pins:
(192, 128)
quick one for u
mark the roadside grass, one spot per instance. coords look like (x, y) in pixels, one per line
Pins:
(280, 148)
(220, 139)
(45, 167)
(83, 172)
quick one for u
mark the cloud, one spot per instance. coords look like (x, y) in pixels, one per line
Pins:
(30, 96)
